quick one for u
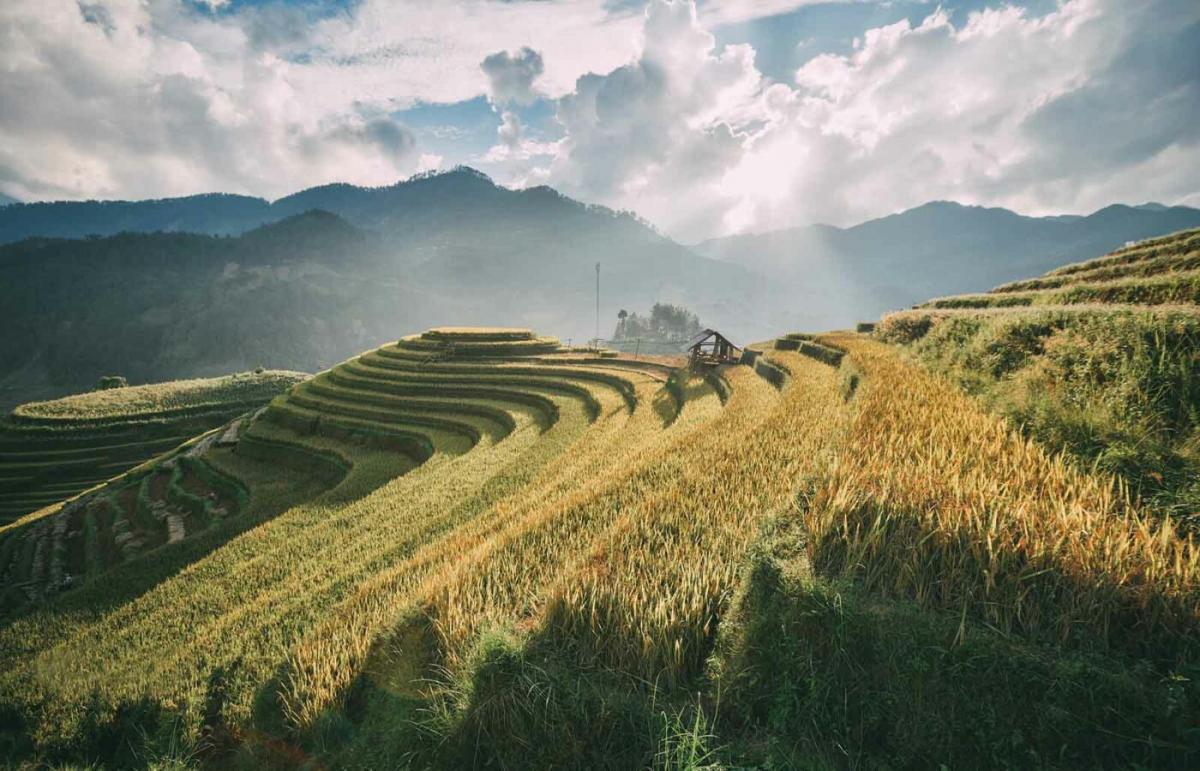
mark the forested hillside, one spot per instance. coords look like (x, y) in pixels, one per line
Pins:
(308, 291)
(459, 236)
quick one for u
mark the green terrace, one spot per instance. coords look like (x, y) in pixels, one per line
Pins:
(51, 451)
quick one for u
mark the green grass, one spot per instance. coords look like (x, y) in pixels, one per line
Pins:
(1111, 384)
(813, 673)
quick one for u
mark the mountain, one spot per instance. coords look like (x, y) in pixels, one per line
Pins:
(447, 229)
(217, 214)
(308, 290)
(204, 285)
(418, 207)
(830, 277)
(5, 200)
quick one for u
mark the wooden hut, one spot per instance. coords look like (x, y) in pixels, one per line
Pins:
(710, 348)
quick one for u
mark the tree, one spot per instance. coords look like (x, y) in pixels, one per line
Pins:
(621, 316)
(666, 323)
(673, 322)
(111, 381)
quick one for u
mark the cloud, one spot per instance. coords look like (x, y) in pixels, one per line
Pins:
(668, 124)
(511, 75)
(990, 112)
(513, 147)
(414, 51)
(511, 79)
(1095, 102)
(151, 100)
(148, 98)
(714, 13)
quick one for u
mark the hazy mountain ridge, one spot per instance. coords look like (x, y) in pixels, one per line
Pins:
(832, 276)
(309, 290)
(426, 200)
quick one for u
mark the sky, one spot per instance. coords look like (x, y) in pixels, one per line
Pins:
(706, 118)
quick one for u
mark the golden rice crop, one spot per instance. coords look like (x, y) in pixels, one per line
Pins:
(327, 659)
(507, 577)
(933, 499)
(598, 515)
(648, 596)
(252, 599)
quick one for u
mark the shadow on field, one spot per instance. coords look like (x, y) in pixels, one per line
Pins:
(518, 705)
(1040, 598)
(805, 674)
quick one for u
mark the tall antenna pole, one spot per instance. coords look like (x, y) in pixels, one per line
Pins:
(597, 305)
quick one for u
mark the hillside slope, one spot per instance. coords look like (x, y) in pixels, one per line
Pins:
(474, 548)
(1097, 358)
(831, 277)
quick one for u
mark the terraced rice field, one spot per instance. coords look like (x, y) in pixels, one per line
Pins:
(119, 523)
(415, 499)
(1098, 359)
(469, 481)
(51, 451)
(1161, 271)
(411, 443)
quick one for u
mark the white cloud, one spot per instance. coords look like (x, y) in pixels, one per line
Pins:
(150, 100)
(655, 134)
(714, 13)
(513, 146)
(408, 51)
(146, 98)
(1093, 103)
(511, 78)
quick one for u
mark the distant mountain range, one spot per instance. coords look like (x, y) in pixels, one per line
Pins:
(828, 277)
(211, 284)
(316, 287)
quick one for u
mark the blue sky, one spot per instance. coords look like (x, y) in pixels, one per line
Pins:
(705, 117)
